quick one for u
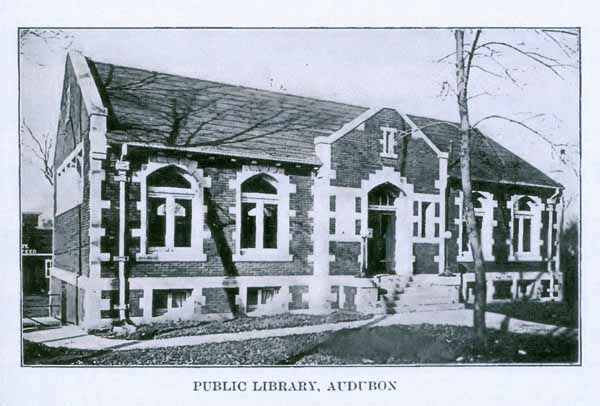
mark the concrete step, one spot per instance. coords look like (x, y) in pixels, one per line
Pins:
(425, 296)
(425, 308)
(402, 301)
(40, 322)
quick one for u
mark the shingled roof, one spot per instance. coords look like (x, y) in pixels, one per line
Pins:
(490, 160)
(165, 110)
(169, 110)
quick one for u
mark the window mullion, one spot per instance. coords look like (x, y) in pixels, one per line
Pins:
(520, 238)
(260, 228)
(170, 222)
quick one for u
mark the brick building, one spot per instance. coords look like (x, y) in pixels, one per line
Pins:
(183, 198)
(36, 254)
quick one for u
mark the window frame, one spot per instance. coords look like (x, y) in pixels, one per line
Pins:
(535, 240)
(486, 212)
(169, 294)
(388, 142)
(188, 169)
(281, 199)
(268, 294)
(425, 221)
(260, 200)
(170, 195)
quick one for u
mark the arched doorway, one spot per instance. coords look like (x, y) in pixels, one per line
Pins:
(382, 245)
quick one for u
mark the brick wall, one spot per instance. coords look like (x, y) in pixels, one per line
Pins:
(357, 155)
(501, 233)
(136, 297)
(219, 199)
(219, 300)
(424, 254)
(346, 258)
(71, 239)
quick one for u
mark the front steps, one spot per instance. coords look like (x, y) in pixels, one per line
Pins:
(419, 293)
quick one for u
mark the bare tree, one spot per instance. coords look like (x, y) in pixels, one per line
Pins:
(462, 78)
(465, 62)
(52, 40)
(42, 147)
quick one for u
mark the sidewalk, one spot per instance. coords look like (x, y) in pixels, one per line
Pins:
(74, 337)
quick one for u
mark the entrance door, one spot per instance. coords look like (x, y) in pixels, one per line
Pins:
(381, 246)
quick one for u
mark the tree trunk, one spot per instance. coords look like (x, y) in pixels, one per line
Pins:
(468, 208)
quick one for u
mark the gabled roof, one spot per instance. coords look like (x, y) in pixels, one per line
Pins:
(170, 111)
(174, 111)
(490, 160)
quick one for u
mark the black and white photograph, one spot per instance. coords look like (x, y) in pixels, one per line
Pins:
(300, 197)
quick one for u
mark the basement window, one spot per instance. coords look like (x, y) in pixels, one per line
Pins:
(502, 290)
(524, 288)
(165, 300)
(259, 297)
(545, 288)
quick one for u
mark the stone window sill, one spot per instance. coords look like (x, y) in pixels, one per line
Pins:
(388, 155)
(184, 255)
(262, 256)
(469, 258)
(525, 258)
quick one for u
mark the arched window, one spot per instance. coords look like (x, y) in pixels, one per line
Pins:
(478, 200)
(522, 231)
(383, 196)
(169, 209)
(259, 227)
(483, 204)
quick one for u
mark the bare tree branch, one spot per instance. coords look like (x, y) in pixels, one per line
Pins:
(548, 62)
(470, 58)
(557, 148)
(42, 152)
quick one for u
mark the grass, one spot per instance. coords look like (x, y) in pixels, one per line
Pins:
(393, 345)
(424, 344)
(189, 328)
(556, 313)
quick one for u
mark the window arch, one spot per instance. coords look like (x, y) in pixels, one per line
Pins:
(384, 195)
(260, 207)
(169, 209)
(169, 176)
(478, 200)
(524, 229)
(483, 204)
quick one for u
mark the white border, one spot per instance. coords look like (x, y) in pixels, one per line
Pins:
(536, 386)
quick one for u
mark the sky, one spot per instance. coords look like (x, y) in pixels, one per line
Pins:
(398, 68)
